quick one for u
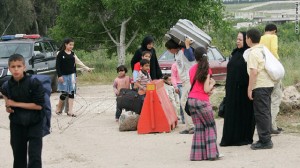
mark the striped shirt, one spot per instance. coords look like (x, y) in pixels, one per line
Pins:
(143, 78)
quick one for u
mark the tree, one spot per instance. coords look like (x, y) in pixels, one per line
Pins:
(15, 16)
(45, 13)
(27, 16)
(117, 23)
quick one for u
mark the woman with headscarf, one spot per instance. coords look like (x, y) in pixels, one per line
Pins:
(239, 121)
(147, 45)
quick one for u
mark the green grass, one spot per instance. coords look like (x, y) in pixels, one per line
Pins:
(105, 67)
(289, 122)
(289, 54)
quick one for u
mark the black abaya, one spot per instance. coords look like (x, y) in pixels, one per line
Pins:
(239, 121)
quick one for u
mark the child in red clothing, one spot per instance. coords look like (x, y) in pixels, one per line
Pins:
(137, 67)
(122, 81)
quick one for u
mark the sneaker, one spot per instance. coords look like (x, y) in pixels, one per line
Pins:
(221, 155)
(259, 145)
(184, 132)
(276, 132)
(191, 131)
(279, 129)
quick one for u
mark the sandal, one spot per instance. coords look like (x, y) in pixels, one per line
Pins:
(58, 113)
(184, 132)
(71, 115)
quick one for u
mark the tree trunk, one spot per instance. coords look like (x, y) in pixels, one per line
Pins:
(36, 27)
(122, 45)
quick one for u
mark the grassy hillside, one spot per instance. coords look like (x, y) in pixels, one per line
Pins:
(275, 6)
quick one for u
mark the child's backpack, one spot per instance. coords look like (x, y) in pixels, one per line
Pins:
(46, 82)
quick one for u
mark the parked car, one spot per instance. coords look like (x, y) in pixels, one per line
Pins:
(217, 63)
(39, 54)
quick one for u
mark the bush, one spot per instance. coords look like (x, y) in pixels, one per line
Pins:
(105, 68)
(290, 58)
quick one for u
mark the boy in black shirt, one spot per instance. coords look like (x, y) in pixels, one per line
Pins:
(24, 98)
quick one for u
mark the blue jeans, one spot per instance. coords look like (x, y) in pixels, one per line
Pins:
(179, 85)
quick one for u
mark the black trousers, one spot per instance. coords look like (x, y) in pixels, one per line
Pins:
(262, 112)
(26, 139)
(118, 111)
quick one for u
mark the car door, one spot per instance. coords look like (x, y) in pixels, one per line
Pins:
(50, 57)
(39, 65)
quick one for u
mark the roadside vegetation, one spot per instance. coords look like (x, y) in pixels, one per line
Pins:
(289, 53)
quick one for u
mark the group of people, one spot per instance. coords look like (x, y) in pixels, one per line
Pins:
(191, 77)
(145, 68)
(252, 97)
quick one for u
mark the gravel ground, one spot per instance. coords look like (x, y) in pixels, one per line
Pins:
(92, 140)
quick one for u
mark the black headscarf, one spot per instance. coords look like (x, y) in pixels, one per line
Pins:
(245, 46)
(155, 71)
(147, 40)
(237, 67)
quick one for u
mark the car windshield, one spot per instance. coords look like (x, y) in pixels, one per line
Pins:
(210, 55)
(8, 49)
(217, 54)
(166, 56)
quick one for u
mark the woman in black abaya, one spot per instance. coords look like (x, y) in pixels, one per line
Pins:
(147, 45)
(239, 121)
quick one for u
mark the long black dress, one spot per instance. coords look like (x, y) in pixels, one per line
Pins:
(155, 71)
(239, 123)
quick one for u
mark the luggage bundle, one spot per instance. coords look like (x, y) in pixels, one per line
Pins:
(130, 100)
(128, 121)
(186, 29)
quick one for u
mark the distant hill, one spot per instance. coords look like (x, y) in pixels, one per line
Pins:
(244, 1)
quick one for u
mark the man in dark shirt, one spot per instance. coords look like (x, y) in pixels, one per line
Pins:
(24, 98)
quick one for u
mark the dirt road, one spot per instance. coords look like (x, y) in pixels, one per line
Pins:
(92, 140)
